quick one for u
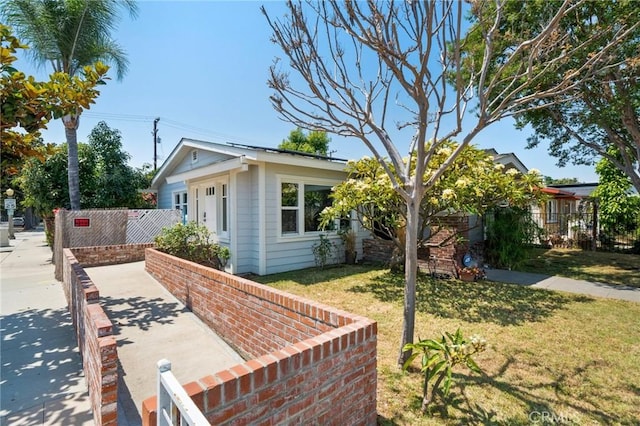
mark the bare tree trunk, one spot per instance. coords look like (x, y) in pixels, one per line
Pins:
(73, 170)
(407, 50)
(410, 274)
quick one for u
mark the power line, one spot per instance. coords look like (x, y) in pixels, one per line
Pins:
(167, 122)
(161, 121)
(118, 117)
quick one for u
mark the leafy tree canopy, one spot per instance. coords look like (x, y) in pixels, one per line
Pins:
(548, 180)
(107, 180)
(28, 105)
(44, 183)
(619, 210)
(70, 35)
(117, 183)
(314, 142)
(472, 184)
(586, 118)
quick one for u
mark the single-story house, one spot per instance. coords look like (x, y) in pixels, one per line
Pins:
(566, 218)
(261, 203)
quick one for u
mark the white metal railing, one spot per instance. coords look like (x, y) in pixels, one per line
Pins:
(175, 407)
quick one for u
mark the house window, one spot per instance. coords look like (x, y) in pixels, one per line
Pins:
(316, 198)
(552, 211)
(301, 205)
(180, 203)
(289, 206)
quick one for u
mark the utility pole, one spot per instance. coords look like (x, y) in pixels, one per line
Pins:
(155, 143)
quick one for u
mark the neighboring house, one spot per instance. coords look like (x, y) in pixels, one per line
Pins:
(571, 197)
(566, 217)
(261, 203)
(508, 160)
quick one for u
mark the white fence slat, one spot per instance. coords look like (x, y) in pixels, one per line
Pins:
(173, 401)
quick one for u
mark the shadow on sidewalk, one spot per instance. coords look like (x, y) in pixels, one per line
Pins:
(42, 375)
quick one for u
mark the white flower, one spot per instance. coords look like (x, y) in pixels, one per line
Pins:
(535, 172)
(448, 194)
(499, 166)
(512, 172)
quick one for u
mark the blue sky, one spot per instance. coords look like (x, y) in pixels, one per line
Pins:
(202, 68)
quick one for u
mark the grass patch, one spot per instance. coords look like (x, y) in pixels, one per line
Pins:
(569, 356)
(595, 266)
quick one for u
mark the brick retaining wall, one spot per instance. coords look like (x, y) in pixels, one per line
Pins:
(377, 250)
(96, 342)
(311, 364)
(110, 255)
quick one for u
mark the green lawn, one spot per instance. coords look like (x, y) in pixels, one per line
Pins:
(549, 354)
(610, 268)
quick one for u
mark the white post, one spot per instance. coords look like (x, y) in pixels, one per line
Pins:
(164, 399)
(174, 404)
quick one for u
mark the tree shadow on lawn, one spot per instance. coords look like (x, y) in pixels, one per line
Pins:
(480, 301)
(532, 404)
(535, 405)
(311, 276)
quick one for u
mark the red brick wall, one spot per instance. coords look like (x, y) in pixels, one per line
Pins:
(95, 340)
(443, 248)
(110, 255)
(377, 250)
(311, 363)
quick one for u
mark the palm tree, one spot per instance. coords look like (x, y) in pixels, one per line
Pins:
(70, 34)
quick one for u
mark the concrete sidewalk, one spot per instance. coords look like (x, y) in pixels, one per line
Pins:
(41, 378)
(557, 283)
(42, 381)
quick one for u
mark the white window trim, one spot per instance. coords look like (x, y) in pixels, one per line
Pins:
(181, 204)
(223, 235)
(301, 235)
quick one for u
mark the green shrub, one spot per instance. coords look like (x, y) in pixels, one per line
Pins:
(510, 234)
(192, 242)
(323, 252)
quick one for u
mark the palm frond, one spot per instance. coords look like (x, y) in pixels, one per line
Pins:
(70, 34)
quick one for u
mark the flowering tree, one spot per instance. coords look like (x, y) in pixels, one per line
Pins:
(473, 183)
(390, 74)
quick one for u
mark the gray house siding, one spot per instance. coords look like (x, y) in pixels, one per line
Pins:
(254, 175)
(204, 159)
(165, 193)
(246, 233)
(285, 253)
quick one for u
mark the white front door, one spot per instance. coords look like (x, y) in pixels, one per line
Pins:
(209, 210)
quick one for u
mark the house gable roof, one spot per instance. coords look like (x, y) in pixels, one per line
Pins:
(509, 160)
(236, 156)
